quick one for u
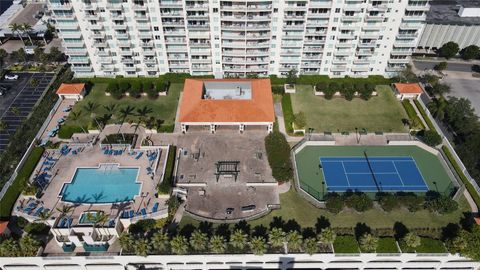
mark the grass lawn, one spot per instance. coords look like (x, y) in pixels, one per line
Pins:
(293, 206)
(387, 245)
(346, 244)
(427, 245)
(164, 107)
(380, 113)
(16, 188)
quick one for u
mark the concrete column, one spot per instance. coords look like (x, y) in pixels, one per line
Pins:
(184, 128)
(242, 128)
(212, 128)
(270, 128)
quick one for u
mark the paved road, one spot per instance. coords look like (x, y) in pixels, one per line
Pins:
(428, 64)
(23, 96)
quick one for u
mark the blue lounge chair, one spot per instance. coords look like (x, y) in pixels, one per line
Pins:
(143, 211)
(69, 222)
(62, 223)
(39, 210)
(139, 155)
(155, 208)
(132, 213)
(111, 223)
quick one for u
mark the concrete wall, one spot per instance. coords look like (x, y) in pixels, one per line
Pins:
(435, 35)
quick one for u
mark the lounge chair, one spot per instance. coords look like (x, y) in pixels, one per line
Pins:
(111, 223)
(139, 155)
(155, 208)
(69, 222)
(143, 211)
(62, 223)
(37, 213)
(131, 214)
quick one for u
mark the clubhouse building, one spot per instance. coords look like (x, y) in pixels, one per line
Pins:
(212, 104)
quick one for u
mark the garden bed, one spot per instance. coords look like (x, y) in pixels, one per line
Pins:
(346, 244)
(387, 245)
(119, 138)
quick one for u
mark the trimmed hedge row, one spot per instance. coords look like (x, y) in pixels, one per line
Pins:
(166, 185)
(278, 152)
(118, 88)
(468, 185)
(412, 114)
(19, 183)
(424, 115)
(171, 77)
(66, 131)
(288, 115)
(314, 79)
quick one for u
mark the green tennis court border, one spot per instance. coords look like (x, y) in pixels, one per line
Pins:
(310, 177)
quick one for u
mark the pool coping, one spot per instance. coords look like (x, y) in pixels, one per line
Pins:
(60, 194)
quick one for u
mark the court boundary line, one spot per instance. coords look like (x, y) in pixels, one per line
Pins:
(423, 179)
(399, 176)
(346, 176)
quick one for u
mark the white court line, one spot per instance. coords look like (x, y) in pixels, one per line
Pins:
(345, 172)
(399, 176)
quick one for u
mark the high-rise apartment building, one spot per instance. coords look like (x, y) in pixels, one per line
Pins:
(237, 38)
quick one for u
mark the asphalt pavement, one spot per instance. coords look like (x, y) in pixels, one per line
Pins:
(22, 95)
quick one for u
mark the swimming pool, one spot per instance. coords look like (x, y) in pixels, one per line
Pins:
(107, 183)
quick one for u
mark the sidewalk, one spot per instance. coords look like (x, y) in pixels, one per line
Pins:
(451, 60)
(281, 124)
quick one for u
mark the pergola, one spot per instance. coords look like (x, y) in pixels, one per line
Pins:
(227, 168)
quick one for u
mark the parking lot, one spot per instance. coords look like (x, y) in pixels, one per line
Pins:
(19, 100)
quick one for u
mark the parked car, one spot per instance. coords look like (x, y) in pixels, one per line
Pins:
(11, 77)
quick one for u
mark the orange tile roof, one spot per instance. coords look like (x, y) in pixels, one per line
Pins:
(3, 226)
(477, 220)
(408, 88)
(70, 88)
(257, 109)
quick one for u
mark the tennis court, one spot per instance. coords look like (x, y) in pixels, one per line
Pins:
(324, 168)
(372, 174)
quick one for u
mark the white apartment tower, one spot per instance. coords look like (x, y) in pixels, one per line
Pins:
(237, 38)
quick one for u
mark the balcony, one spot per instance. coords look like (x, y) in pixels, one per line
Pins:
(122, 35)
(362, 61)
(348, 27)
(399, 61)
(394, 68)
(105, 60)
(140, 7)
(120, 26)
(369, 35)
(376, 26)
(344, 45)
(407, 35)
(175, 41)
(126, 53)
(414, 18)
(150, 61)
(114, 6)
(90, 6)
(174, 33)
(291, 44)
(318, 15)
(199, 34)
(234, 26)
(295, 7)
(171, 14)
(294, 17)
(291, 52)
(234, 44)
(141, 17)
(320, 4)
(198, 16)
(76, 52)
(410, 26)
(351, 18)
(198, 26)
(347, 36)
(81, 69)
(315, 33)
(143, 26)
(196, 7)
(258, 44)
(144, 34)
(177, 49)
(124, 43)
(200, 44)
(312, 49)
(130, 68)
(96, 26)
(147, 44)
(73, 26)
(151, 68)
(293, 26)
(100, 44)
(418, 7)
(314, 41)
(89, 16)
(343, 52)
(367, 44)
(340, 61)
(361, 68)
(259, 7)
(71, 34)
(404, 52)
(410, 44)
(73, 44)
(232, 7)
(375, 18)
(381, 7)
(149, 52)
(171, 4)
(207, 60)
(102, 53)
(338, 68)
(364, 52)
(66, 6)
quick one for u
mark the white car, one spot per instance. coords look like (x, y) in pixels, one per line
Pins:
(11, 77)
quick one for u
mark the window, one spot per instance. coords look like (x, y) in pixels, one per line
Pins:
(337, 10)
(215, 10)
(155, 28)
(275, 10)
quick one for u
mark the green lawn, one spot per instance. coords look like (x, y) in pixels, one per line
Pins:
(293, 206)
(427, 245)
(164, 107)
(387, 245)
(346, 244)
(381, 113)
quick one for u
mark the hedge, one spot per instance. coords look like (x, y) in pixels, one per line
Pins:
(278, 152)
(288, 115)
(16, 188)
(171, 77)
(468, 185)
(346, 244)
(424, 115)
(166, 185)
(387, 245)
(166, 128)
(412, 114)
(314, 79)
(66, 131)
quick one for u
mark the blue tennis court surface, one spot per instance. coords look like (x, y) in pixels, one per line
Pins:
(372, 174)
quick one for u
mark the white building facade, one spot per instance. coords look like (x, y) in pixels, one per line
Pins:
(232, 38)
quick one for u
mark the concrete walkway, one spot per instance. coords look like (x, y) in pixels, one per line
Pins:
(281, 124)
(419, 114)
(178, 128)
(471, 202)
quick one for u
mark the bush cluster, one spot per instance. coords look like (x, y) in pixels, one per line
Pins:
(278, 152)
(347, 89)
(135, 88)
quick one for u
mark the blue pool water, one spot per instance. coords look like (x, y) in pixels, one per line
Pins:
(106, 184)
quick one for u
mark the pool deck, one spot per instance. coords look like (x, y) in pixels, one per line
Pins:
(91, 156)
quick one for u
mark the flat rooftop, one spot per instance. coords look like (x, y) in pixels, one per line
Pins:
(227, 90)
(446, 12)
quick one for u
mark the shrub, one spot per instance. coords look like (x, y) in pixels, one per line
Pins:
(288, 112)
(124, 86)
(152, 92)
(147, 85)
(117, 93)
(430, 137)
(329, 92)
(278, 152)
(334, 203)
(449, 50)
(112, 86)
(387, 201)
(441, 204)
(321, 86)
(162, 86)
(440, 66)
(410, 201)
(300, 120)
(470, 52)
(278, 89)
(37, 229)
(142, 226)
(334, 86)
(66, 131)
(21, 222)
(359, 201)
(135, 89)
(359, 87)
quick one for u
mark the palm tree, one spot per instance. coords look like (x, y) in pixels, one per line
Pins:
(124, 113)
(276, 238)
(310, 245)
(26, 29)
(412, 240)
(4, 126)
(74, 116)
(111, 108)
(29, 246)
(100, 218)
(142, 247)
(368, 242)
(9, 248)
(91, 107)
(142, 113)
(258, 245)
(217, 244)
(294, 241)
(159, 242)
(16, 111)
(327, 236)
(44, 216)
(15, 28)
(126, 241)
(179, 245)
(238, 239)
(198, 240)
(64, 210)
